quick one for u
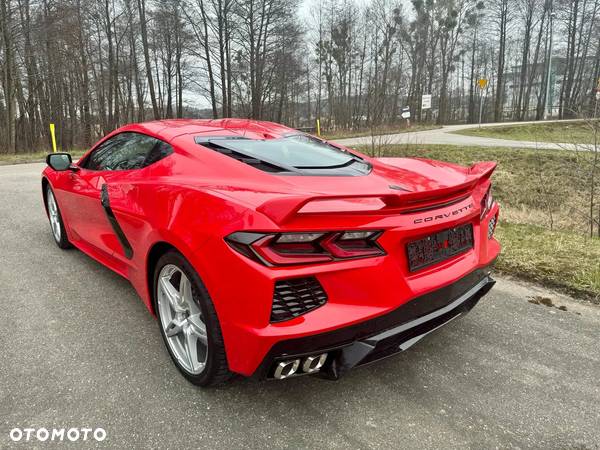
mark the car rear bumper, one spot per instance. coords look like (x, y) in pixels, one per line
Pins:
(364, 296)
(385, 335)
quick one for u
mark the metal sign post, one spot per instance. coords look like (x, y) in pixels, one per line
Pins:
(548, 100)
(406, 115)
(482, 85)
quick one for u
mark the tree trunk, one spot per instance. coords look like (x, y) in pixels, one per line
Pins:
(144, 34)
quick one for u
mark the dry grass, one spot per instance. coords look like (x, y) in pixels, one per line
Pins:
(22, 158)
(565, 132)
(554, 258)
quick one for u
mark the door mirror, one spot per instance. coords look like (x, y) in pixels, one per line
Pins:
(59, 161)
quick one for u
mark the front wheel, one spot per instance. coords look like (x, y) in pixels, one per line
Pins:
(188, 322)
(56, 221)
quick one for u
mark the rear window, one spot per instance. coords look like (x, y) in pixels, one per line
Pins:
(298, 153)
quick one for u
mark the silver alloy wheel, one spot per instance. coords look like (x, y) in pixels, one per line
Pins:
(53, 214)
(181, 319)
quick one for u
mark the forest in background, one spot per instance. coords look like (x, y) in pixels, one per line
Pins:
(91, 66)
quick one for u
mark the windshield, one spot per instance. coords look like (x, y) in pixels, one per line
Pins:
(301, 152)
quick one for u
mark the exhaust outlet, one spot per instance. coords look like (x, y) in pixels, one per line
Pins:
(314, 363)
(286, 368)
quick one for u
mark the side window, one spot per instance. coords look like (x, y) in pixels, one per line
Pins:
(127, 151)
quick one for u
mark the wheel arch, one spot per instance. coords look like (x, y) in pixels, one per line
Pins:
(156, 251)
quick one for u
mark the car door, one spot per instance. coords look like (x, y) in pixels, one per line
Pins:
(87, 203)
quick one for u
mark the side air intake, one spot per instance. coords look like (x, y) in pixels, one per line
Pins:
(295, 297)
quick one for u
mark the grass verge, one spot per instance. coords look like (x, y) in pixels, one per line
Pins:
(532, 186)
(23, 158)
(560, 132)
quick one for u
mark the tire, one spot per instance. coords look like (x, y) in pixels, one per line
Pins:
(57, 225)
(181, 319)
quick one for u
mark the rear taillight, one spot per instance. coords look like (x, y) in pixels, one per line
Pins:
(487, 202)
(282, 249)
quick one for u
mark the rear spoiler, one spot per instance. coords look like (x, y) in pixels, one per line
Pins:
(282, 209)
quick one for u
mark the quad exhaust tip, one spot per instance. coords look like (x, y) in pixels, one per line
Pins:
(310, 364)
(313, 364)
(285, 369)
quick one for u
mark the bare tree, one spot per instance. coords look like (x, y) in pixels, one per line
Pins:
(90, 66)
(144, 34)
(503, 17)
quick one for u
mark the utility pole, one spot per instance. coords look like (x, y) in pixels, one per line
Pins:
(548, 101)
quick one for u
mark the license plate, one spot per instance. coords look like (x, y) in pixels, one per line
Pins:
(439, 247)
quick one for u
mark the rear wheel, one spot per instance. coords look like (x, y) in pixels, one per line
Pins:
(56, 221)
(188, 322)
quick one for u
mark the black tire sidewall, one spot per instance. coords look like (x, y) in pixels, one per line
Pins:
(202, 299)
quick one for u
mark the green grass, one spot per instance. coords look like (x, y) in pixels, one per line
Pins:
(344, 134)
(559, 132)
(22, 158)
(533, 186)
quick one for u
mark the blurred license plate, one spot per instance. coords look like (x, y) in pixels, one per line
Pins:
(439, 247)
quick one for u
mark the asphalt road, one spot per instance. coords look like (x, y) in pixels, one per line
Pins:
(78, 349)
(445, 136)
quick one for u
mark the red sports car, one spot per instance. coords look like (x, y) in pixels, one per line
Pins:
(267, 252)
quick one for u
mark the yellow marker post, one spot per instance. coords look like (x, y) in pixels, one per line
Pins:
(318, 128)
(53, 137)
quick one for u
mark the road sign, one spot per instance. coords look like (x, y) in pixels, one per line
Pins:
(426, 101)
(405, 112)
(482, 83)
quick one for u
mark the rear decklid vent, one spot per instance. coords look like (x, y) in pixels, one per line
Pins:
(251, 161)
(293, 154)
